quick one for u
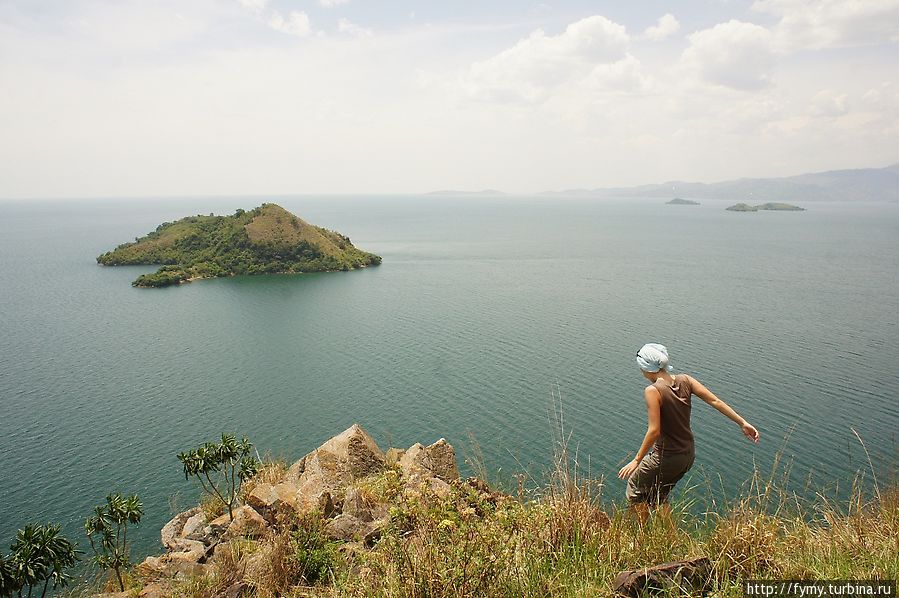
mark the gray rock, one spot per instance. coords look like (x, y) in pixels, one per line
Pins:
(247, 523)
(335, 465)
(349, 529)
(193, 524)
(437, 460)
(694, 575)
(171, 533)
(271, 500)
(393, 456)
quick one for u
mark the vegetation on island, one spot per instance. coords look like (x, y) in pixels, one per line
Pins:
(265, 240)
(772, 206)
(678, 201)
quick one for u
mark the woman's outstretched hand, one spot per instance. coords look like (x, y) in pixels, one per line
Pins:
(626, 471)
(751, 432)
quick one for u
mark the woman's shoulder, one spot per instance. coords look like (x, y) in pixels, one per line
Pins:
(687, 379)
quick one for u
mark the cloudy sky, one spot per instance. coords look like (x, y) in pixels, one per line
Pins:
(199, 97)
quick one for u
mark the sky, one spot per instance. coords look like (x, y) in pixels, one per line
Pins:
(234, 97)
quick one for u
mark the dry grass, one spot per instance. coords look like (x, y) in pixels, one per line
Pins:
(558, 537)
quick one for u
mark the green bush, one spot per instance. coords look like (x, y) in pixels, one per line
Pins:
(40, 556)
(221, 468)
(107, 532)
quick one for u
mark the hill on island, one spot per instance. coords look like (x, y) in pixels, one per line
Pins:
(265, 240)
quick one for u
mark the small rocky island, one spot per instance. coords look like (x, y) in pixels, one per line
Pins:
(677, 201)
(265, 240)
(771, 206)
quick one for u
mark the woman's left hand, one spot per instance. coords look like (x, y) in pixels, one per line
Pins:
(626, 471)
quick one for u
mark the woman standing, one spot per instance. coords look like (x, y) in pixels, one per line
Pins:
(667, 451)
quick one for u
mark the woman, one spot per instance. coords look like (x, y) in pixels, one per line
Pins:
(653, 473)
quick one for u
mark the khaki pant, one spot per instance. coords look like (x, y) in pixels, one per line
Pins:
(656, 476)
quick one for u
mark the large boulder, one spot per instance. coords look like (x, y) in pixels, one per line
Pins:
(247, 523)
(171, 565)
(270, 500)
(172, 533)
(437, 460)
(358, 505)
(394, 455)
(335, 465)
(694, 575)
(349, 528)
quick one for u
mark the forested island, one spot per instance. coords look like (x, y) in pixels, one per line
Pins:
(677, 201)
(771, 206)
(265, 240)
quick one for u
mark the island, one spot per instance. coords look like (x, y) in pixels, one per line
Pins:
(265, 240)
(677, 201)
(771, 206)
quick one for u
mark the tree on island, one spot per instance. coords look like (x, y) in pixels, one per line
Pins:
(230, 462)
(107, 532)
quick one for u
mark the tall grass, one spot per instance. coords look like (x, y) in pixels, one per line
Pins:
(557, 536)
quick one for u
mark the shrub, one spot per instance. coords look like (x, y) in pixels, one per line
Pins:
(40, 556)
(221, 468)
(107, 532)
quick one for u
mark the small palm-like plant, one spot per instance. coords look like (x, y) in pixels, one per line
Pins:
(7, 578)
(221, 468)
(40, 556)
(107, 531)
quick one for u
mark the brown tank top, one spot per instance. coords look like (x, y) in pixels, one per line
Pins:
(676, 436)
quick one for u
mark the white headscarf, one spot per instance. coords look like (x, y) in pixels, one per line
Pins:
(653, 357)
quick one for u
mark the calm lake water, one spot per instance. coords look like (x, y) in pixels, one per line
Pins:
(482, 308)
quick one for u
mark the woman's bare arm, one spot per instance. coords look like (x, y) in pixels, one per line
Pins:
(653, 430)
(709, 397)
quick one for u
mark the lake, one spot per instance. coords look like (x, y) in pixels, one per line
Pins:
(482, 309)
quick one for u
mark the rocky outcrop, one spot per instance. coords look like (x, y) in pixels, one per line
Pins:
(437, 460)
(350, 456)
(333, 481)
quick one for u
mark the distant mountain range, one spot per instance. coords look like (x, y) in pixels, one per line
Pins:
(863, 184)
(455, 192)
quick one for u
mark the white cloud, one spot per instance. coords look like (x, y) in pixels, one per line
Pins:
(735, 54)
(345, 26)
(256, 6)
(828, 103)
(296, 23)
(666, 27)
(625, 76)
(832, 23)
(332, 3)
(535, 65)
(594, 108)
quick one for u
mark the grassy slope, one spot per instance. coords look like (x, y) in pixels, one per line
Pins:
(557, 539)
(268, 239)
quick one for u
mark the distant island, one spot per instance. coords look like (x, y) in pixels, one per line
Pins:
(771, 206)
(677, 201)
(265, 240)
(861, 184)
